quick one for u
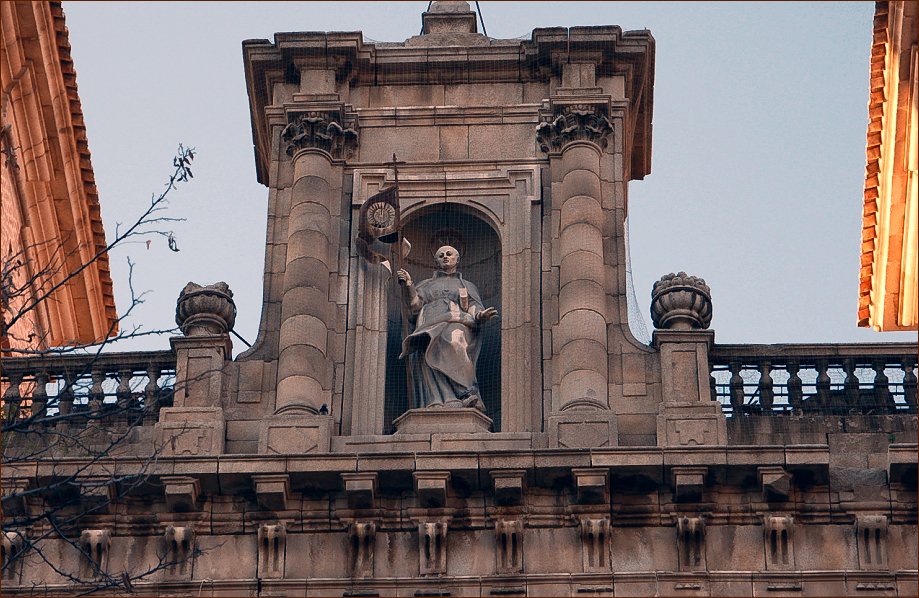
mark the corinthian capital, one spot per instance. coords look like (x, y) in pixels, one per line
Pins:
(573, 122)
(329, 130)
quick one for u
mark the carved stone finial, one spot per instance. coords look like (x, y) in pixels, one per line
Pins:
(325, 130)
(574, 122)
(681, 302)
(205, 310)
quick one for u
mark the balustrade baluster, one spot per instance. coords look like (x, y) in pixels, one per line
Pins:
(152, 389)
(97, 393)
(40, 394)
(123, 393)
(823, 383)
(766, 392)
(11, 398)
(795, 386)
(736, 386)
(882, 397)
(851, 384)
(66, 395)
(909, 384)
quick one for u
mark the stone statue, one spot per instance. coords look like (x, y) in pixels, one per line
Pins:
(448, 312)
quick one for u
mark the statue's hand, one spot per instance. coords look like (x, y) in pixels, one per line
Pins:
(486, 314)
(404, 278)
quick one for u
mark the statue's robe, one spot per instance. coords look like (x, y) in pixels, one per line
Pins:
(446, 334)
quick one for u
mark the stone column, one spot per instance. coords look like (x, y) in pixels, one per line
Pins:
(317, 141)
(681, 310)
(195, 425)
(574, 137)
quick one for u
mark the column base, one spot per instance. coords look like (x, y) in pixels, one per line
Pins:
(191, 431)
(583, 429)
(296, 434)
(691, 424)
(442, 420)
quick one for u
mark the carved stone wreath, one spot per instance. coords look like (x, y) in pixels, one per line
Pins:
(322, 130)
(575, 122)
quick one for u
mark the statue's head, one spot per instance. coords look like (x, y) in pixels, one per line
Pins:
(446, 258)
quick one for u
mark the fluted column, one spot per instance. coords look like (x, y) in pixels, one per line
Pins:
(574, 136)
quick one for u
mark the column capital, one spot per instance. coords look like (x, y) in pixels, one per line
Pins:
(575, 118)
(328, 127)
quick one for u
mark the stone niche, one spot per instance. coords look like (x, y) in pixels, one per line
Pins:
(480, 263)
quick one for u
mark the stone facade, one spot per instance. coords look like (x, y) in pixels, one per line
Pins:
(51, 224)
(610, 467)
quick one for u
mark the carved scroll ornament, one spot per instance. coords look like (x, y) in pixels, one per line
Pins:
(574, 122)
(325, 130)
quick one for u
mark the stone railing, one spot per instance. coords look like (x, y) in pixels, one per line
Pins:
(857, 379)
(62, 387)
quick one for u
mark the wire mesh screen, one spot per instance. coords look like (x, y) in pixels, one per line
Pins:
(479, 265)
(787, 389)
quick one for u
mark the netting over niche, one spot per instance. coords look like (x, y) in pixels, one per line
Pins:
(480, 264)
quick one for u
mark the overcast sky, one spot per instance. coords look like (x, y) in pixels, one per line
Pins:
(757, 168)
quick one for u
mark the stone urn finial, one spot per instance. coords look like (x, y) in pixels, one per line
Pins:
(205, 310)
(681, 302)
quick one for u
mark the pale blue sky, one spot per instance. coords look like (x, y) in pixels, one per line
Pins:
(757, 169)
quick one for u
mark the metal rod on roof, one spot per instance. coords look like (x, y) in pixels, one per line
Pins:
(481, 20)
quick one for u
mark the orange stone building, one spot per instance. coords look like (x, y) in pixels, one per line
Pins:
(890, 241)
(51, 223)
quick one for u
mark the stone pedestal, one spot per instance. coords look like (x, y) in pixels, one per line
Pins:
(688, 416)
(441, 421)
(593, 428)
(191, 431)
(289, 434)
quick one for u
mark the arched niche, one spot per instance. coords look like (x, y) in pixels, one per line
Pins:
(427, 228)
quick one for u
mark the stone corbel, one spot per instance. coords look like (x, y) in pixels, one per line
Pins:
(688, 483)
(272, 490)
(595, 543)
(11, 564)
(432, 547)
(95, 545)
(591, 485)
(179, 550)
(362, 536)
(361, 489)
(272, 550)
(691, 543)
(509, 543)
(13, 500)
(431, 488)
(181, 492)
(510, 486)
(776, 483)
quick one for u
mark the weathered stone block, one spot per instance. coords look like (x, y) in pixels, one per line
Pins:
(431, 488)
(361, 489)
(191, 431)
(442, 420)
(285, 434)
(272, 490)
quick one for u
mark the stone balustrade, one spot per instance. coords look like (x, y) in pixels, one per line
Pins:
(814, 379)
(68, 387)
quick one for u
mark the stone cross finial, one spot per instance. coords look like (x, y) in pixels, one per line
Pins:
(204, 310)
